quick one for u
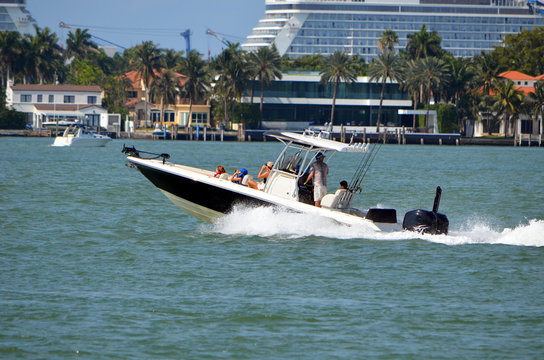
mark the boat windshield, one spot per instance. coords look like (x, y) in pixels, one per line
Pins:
(296, 158)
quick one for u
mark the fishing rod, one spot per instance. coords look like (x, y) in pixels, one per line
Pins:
(363, 166)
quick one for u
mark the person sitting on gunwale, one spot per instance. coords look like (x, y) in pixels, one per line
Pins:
(243, 178)
(219, 171)
(238, 176)
(265, 171)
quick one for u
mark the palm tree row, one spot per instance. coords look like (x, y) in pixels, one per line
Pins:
(422, 69)
(35, 58)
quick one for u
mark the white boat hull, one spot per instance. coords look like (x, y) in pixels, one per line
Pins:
(196, 191)
(81, 142)
(79, 136)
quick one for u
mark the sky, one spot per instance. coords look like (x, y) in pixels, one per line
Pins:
(130, 22)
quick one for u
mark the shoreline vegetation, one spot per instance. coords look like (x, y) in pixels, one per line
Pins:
(471, 88)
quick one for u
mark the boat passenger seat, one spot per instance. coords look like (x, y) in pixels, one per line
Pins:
(336, 200)
(246, 179)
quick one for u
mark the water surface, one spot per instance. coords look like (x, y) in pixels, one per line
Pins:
(96, 263)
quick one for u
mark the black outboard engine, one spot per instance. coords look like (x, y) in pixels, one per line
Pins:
(425, 221)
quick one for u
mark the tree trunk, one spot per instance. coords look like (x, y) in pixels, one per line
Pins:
(333, 105)
(162, 112)
(415, 108)
(428, 106)
(261, 104)
(540, 127)
(226, 115)
(380, 108)
(190, 120)
(146, 110)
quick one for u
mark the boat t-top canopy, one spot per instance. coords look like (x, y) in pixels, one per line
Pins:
(315, 140)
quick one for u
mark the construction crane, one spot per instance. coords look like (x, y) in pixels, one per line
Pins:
(70, 27)
(187, 35)
(217, 36)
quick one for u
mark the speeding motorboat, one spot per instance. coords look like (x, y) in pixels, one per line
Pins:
(202, 195)
(78, 135)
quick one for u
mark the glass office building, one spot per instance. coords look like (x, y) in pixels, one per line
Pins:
(15, 17)
(298, 101)
(467, 27)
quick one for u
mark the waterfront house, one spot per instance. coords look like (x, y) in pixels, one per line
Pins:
(51, 103)
(528, 124)
(174, 114)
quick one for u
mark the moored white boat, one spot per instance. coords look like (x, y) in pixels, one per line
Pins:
(205, 197)
(78, 135)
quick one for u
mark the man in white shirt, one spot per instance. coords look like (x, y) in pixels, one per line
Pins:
(319, 171)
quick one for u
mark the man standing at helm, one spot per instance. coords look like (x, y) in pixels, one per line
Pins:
(319, 171)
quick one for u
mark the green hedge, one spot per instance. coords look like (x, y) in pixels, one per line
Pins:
(447, 118)
(12, 120)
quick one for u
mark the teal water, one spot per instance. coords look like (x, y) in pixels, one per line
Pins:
(95, 263)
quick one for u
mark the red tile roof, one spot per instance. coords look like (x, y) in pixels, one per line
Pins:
(516, 75)
(63, 88)
(135, 78)
(525, 90)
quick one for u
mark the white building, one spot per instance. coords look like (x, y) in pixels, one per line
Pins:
(15, 17)
(51, 103)
(467, 27)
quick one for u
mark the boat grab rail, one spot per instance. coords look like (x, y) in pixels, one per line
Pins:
(132, 151)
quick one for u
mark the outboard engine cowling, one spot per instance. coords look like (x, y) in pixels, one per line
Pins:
(427, 221)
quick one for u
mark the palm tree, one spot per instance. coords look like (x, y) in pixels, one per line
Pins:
(164, 87)
(172, 59)
(385, 67)
(337, 67)
(196, 85)
(265, 62)
(410, 82)
(461, 81)
(10, 50)
(79, 43)
(423, 44)
(146, 61)
(232, 75)
(432, 73)
(387, 41)
(537, 99)
(46, 54)
(508, 99)
(487, 68)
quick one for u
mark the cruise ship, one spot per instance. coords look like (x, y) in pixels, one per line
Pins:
(15, 17)
(467, 27)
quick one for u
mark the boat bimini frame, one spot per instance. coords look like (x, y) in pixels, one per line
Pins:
(291, 168)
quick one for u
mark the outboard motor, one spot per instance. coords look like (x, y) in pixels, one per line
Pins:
(425, 221)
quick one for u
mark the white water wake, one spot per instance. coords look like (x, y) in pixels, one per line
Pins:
(268, 222)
